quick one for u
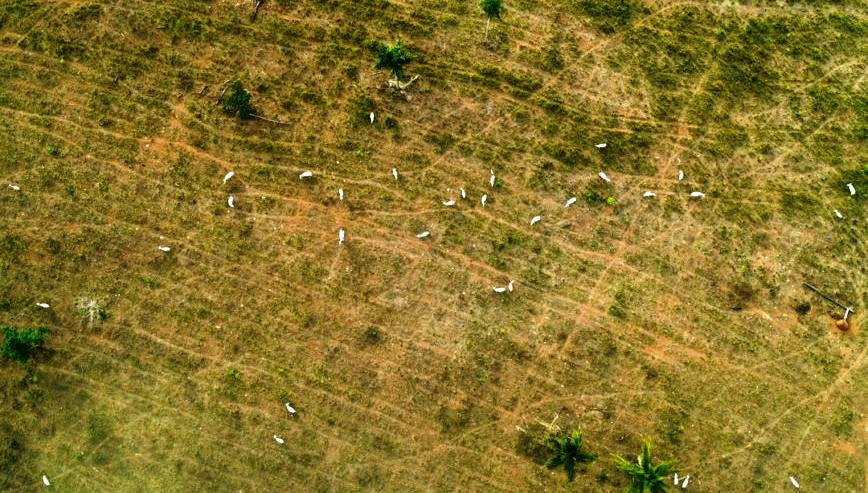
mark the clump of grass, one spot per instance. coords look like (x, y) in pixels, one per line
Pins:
(610, 16)
(620, 301)
(359, 108)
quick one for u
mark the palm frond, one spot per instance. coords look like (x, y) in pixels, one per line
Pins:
(567, 450)
(644, 475)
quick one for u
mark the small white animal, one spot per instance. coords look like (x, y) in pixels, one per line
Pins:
(449, 203)
(601, 146)
(43, 305)
(498, 289)
(228, 176)
(278, 439)
(851, 188)
(535, 219)
(231, 201)
(45, 480)
(306, 174)
(697, 195)
(684, 483)
(164, 249)
(14, 187)
(680, 175)
(491, 179)
(341, 236)
(463, 193)
(510, 285)
(484, 199)
(423, 234)
(341, 194)
(795, 483)
(676, 479)
(838, 214)
(372, 117)
(290, 408)
(649, 194)
(605, 177)
(570, 201)
(395, 173)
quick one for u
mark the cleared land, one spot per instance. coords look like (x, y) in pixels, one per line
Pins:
(667, 318)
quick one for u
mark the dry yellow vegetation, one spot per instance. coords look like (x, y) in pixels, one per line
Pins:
(679, 319)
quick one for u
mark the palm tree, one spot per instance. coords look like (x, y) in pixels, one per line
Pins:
(644, 476)
(567, 451)
(393, 57)
(493, 10)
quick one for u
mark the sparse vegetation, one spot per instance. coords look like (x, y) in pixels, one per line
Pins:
(668, 316)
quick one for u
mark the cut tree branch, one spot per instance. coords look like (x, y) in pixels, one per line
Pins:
(225, 86)
(269, 120)
(256, 10)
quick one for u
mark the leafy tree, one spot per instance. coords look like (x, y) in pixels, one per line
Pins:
(567, 450)
(237, 103)
(18, 344)
(644, 476)
(393, 57)
(493, 10)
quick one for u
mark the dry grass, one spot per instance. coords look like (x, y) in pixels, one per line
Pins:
(667, 318)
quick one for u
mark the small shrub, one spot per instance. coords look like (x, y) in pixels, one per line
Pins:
(19, 344)
(372, 336)
(617, 311)
(802, 307)
(237, 103)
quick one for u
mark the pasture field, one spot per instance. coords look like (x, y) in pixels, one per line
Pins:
(679, 319)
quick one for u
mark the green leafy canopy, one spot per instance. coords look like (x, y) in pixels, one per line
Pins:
(393, 57)
(492, 8)
(644, 476)
(19, 344)
(237, 103)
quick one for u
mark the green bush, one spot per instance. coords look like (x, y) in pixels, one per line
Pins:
(393, 58)
(19, 344)
(237, 103)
